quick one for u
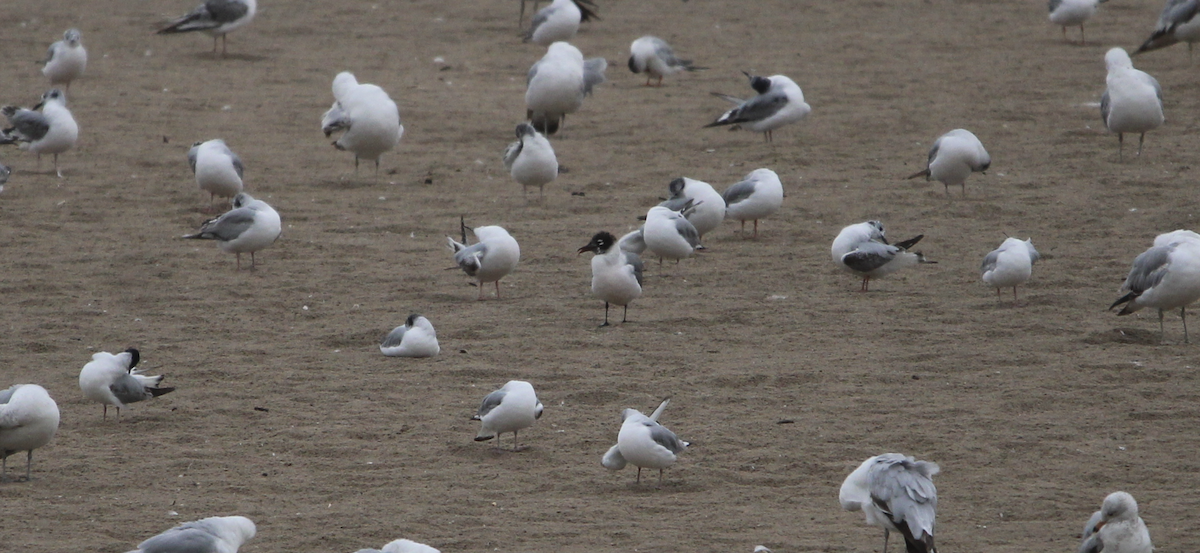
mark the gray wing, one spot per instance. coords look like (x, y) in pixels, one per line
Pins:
(989, 262)
(758, 108)
(6, 395)
(933, 152)
(512, 153)
(532, 72)
(1104, 106)
(638, 267)
(226, 11)
(469, 258)
(538, 19)
(1176, 13)
(1054, 4)
(1157, 87)
(1090, 527)
(50, 52)
(237, 161)
(664, 437)
(687, 231)
(30, 125)
(1148, 270)
(593, 74)
(869, 256)
(903, 489)
(334, 120)
(183, 539)
(738, 192)
(394, 337)
(490, 402)
(665, 53)
(128, 389)
(676, 204)
(192, 157)
(228, 226)
(1092, 545)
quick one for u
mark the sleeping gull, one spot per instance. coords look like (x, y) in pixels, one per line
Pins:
(1119, 528)
(369, 117)
(669, 235)
(1073, 13)
(654, 57)
(895, 492)
(759, 195)
(218, 170)
(509, 409)
(1177, 23)
(557, 84)
(1163, 277)
(51, 131)
(1010, 265)
(863, 249)
(416, 338)
(66, 59)
(707, 206)
(559, 21)
(250, 226)
(401, 546)
(28, 420)
(530, 160)
(616, 274)
(779, 102)
(1132, 103)
(209, 535)
(644, 442)
(953, 157)
(493, 257)
(215, 17)
(112, 380)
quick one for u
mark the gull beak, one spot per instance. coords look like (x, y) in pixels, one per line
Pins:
(39, 105)
(591, 247)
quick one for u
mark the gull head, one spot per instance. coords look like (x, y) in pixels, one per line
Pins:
(1117, 58)
(600, 243)
(241, 200)
(411, 320)
(525, 129)
(1117, 506)
(52, 95)
(72, 37)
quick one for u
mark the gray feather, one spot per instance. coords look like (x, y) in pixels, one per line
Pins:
(1149, 268)
(226, 227)
(687, 231)
(738, 192)
(1104, 107)
(192, 157)
(394, 337)
(129, 390)
(541, 17)
(29, 125)
(869, 256)
(638, 267)
(490, 402)
(6, 395)
(1092, 544)
(989, 262)
(533, 69)
(470, 258)
(757, 108)
(512, 153)
(593, 74)
(664, 437)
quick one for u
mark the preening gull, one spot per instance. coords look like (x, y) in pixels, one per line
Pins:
(1132, 103)
(1164, 277)
(644, 442)
(863, 249)
(669, 235)
(368, 116)
(759, 195)
(895, 492)
(218, 170)
(416, 338)
(1010, 265)
(707, 207)
(1178, 22)
(209, 535)
(113, 380)
(654, 57)
(531, 160)
(559, 21)
(28, 420)
(557, 84)
(493, 257)
(250, 226)
(616, 274)
(401, 546)
(1118, 529)
(1073, 13)
(953, 157)
(50, 131)
(510, 409)
(66, 59)
(215, 17)
(779, 102)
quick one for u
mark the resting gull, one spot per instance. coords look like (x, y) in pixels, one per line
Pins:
(559, 21)
(1073, 13)
(215, 17)
(512, 408)
(654, 57)
(492, 258)
(247, 228)
(368, 116)
(895, 492)
(1164, 277)
(401, 546)
(50, 131)
(669, 235)
(759, 195)
(863, 249)
(779, 102)
(645, 443)
(218, 170)
(1132, 102)
(953, 157)
(707, 206)
(1178, 22)
(209, 535)
(616, 274)
(1118, 529)
(415, 338)
(66, 59)
(531, 160)
(28, 420)
(113, 380)
(1010, 265)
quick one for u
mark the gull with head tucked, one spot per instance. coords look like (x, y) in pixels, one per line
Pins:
(28, 420)
(493, 257)
(779, 102)
(895, 492)
(512, 408)
(368, 116)
(1132, 102)
(645, 443)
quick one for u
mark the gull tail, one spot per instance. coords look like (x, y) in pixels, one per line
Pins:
(159, 391)
(454, 245)
(187, 23)
(922, 173)
(906, 244)
(613, 460)
(1127, 299)
(1160, 39)
(659, 411)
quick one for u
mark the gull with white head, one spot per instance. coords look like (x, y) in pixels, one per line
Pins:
(559, 21)
(895, 492)
(217, 169)
(616, 274)
(66, 59)
(368, 116)
(28, 420)
(209, 535)
(1132, 102)
(531, 160)
(512, 408)
(1010, 265)
(953, 157)
(415, 338)
(50, 131)
(1118, 528)
(557, 84)
(669, 235)
(644, 443)
(250, 226)
(492, 258)
(779, 102)
(759, 195)
(215, 17)
(654, 57)
(1073, 13)
(114, 380)
(863, 249)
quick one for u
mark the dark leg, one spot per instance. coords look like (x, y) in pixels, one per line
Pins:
(59, 172)
(1141, 139)
(997, 295)
(625, 316)
(639, 478)
(356, 165)
(239, 267)
(755, 228)
(253, 264)
(1120, 147)
(1183, 315)
(605, 315)
(886, 534)
(1082, 35)
(105, 417)
(214, 44)
(660, 471)
(1014, 294)
(28, 464)
(1162, 334)
(497, 289)
(515, 447)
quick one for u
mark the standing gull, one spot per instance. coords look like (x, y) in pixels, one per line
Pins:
(1073, 13)
(779, 102)
(758, 196)
(28, 420)
(1010, 265)
(1118, 529)
(113, 380)
(218, 170)
(215, 17)
(401, 546)
(1132, 103)
(416, 338)
(1164, 277)
(863, 249)
(531, 160)
(209, 535)
(493, 257)
(669, 235)
(556, 85)
(654, 57)
(707, 206)
(1177, 23)
(953, 157)
(369, 117)
(559, 21)
(510, 409)
(616, 274)
(250, 226)
(51, 131)
(895, 492)
(66, 59)
(645, 443)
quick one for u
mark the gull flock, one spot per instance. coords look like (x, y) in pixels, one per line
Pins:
(894, 491)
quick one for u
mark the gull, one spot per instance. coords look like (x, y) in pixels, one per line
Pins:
(669, 235)
(416, 338)
(530, 160)
(953, 157)
(557, 84)
(1010, 265)
(707, 206)
(28, 420)
(759, 195)
(1177, 23)
(51, 131)
(1073, 13)
(863, 249)
(208, 535)
(559, 21)
(66, 59)
(616, 274)
(401, 546)
(654, 57)
(779, 102)
(1175, 236)
(218, 170)
(4, 173)
(895, 492)
(250, 226)
(493, 257)
(1164, 277)
(512, 408)
(1119, 528)
(1132, 103)
(112, 380)
(1091, 525)
(369, 117)
(645, 443)
(215, 17)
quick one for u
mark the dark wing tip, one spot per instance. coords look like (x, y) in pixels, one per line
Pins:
(159, 391)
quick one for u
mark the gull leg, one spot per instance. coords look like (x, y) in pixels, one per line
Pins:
(39, 161)
(376, 169)
(1014, 294)
(755, 228)
(625, 315)
(997, 295)
(105, 417)
(946, 188)
(1162, 334)
(963, 184)
(605, 315)
(639, 478)
(521, 16)
(1141, 139)
(56, 169)
(253, 264)
(497, 289)
(223, 39)
(118, 415)
(356, 165)
(214, 44)
(660, 471)
(1065, 34)
(659, 80)
(515, 447)
(1120, 147)
(647, 78)
(886, 534)
(28, 464)
(1183, 315)
(743, 228)
(3, 466)
(480, 298)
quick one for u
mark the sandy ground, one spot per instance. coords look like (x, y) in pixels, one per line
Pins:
(1035, 411)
